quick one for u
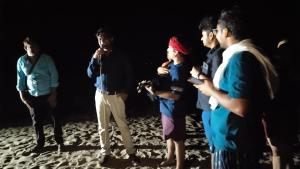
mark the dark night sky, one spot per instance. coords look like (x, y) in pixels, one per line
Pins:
(66, 31)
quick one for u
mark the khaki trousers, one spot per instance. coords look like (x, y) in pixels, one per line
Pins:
(105, 106)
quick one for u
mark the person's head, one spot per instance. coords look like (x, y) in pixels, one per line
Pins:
(30, 46)
(206, 27)
(230, 27)
(105, 37)
(177, 48)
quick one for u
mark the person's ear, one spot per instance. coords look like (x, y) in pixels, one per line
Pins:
(226, 32)
(211, 35)
(176, 52)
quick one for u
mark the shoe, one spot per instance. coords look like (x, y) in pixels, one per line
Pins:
(37, 149)
(134, 159)
(103, 159)
(167, 163)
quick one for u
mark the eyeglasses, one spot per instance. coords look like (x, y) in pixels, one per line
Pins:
(215, 31)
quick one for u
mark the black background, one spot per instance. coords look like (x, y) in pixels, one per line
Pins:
(65, 30)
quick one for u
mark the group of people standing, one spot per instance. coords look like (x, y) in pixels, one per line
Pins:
(238, 85)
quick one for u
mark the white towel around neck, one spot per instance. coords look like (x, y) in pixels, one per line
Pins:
(269, 71)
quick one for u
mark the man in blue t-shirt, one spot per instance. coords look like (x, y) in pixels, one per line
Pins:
(242, 86)
(172, 99)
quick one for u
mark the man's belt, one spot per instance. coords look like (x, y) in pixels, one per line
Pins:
(108, 92)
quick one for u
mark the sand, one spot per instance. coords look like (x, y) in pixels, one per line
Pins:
(82, 146)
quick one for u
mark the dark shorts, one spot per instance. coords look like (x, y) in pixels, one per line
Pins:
(173, 128)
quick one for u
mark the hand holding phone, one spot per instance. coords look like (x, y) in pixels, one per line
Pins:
(195, 81)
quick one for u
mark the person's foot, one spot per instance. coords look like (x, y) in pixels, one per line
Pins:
(37, 149)
(103, 159)
(134, 159)
(167, 163)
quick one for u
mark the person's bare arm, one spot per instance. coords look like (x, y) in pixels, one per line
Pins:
(163, 94)
(238, 106)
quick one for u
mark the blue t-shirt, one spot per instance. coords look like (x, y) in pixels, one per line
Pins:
(242, 78)
(177, 81)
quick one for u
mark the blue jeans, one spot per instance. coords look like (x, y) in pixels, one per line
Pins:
(207, 127)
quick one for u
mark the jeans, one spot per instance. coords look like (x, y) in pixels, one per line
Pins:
(40, 110)
(207, 128)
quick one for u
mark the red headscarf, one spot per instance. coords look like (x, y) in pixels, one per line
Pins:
(175, 44)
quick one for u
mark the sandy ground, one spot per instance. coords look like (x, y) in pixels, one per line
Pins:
(82, 146)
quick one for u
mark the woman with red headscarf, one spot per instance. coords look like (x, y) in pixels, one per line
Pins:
(172, 102)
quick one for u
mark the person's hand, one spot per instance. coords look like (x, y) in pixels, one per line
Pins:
(195, 72)
(25, 100)
(162, 71)
(98, 53)
(150, 89)
(27, 103)
(142, 84)
(123, 96)
(165, 64)
(206, 87)
(52, 99)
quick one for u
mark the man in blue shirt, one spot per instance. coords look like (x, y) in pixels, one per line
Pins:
(209, 67)
(37, 80)
(242, 87)
(113, 76)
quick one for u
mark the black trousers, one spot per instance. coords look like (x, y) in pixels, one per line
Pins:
(41, 110)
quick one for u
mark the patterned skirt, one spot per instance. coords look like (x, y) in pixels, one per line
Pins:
(173, 128)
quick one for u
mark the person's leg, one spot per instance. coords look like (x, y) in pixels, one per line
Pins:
(281, 155)
(56, 122)
(170, 154)
(211, 160)
(37, 121)
(275, 155)
(117, 107)
(180, 154)
(248, 160)
(170, 150)
(207, 129)
(103, 117)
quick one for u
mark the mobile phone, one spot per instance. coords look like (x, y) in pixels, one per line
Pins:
(195, 81)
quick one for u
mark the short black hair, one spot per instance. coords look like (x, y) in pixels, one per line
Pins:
(105, 29)
(30, 41)
(208, 23)
(234, 21)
